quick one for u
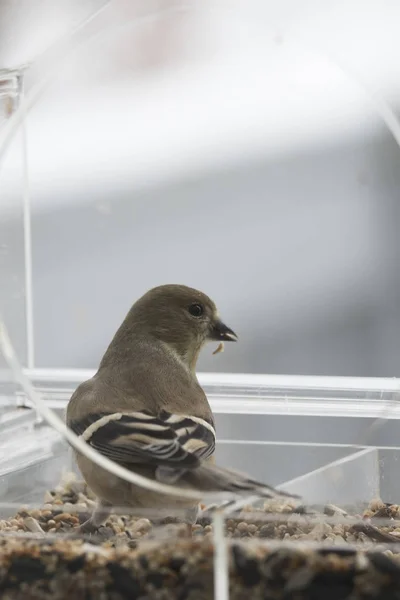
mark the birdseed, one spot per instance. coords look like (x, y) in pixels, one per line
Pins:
(338, 554)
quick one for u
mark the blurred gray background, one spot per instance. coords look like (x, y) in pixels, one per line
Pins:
(219, 153)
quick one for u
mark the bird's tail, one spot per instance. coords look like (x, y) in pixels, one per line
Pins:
(211, 478)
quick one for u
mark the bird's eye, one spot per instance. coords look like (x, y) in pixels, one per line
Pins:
(196, 310)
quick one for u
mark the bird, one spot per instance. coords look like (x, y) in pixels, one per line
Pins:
(145, 409)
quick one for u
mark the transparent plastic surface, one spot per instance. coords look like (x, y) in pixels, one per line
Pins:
(347, 481)
(348, 511)
(348, 486)
(331, 441)
(12, 225)
(286, 448)
(155, 130)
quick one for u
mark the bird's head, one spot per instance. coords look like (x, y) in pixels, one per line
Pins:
(182, 317)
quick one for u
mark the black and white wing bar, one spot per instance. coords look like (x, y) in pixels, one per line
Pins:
(166, 440)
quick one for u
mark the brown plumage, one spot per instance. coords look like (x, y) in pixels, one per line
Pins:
(145, 408)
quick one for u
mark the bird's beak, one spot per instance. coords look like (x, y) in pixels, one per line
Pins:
(222, 333)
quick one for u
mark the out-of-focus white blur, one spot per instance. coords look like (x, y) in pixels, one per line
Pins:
(237, 147)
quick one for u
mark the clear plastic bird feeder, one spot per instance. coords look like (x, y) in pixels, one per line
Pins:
(112, 145)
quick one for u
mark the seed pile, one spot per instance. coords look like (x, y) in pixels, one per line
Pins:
(131, 557)
(61, 570)
(71, 503)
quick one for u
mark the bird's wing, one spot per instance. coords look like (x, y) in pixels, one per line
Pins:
(169, 441)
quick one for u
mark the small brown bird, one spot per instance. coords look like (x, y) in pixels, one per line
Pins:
(145, 409)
